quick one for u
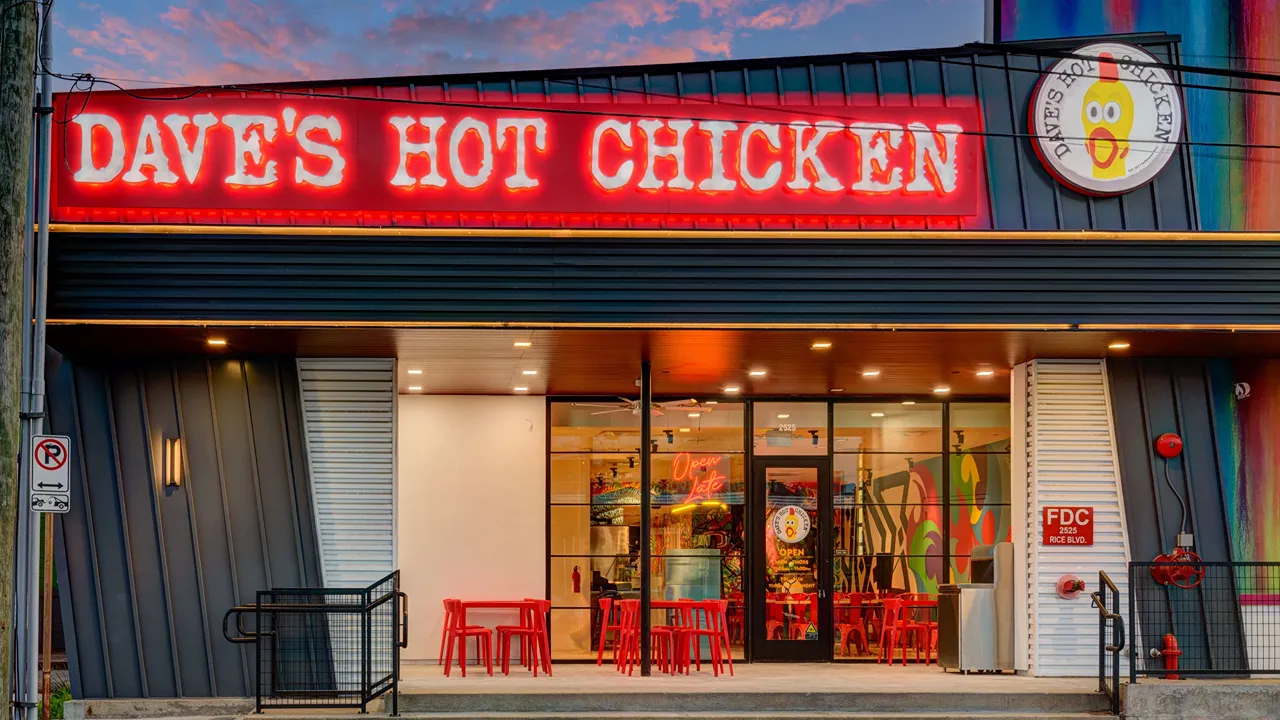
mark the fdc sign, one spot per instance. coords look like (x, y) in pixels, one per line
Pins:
(1068, 526)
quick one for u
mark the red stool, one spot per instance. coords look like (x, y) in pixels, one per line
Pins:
(458, 635)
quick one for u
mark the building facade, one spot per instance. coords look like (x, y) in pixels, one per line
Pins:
(894, 307)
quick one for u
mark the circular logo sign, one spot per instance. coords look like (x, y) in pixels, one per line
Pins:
(791, 524)
(1106, 123)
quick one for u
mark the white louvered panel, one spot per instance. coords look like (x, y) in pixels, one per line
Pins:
(1071, 461)
(349, 414)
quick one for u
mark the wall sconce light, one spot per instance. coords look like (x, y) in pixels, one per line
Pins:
(171, 462)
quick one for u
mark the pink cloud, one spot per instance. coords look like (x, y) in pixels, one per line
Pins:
(803, 14)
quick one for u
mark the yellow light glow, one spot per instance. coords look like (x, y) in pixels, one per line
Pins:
(523, 344)
(821, 345)
(1118, 345)
(942, 389)
(986, 373)
(217, 342)
(870, 373)
(415, 372)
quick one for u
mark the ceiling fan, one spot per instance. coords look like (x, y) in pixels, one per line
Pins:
(633, 406)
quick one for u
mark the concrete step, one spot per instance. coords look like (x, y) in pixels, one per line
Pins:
(955, 715)
(745, 704)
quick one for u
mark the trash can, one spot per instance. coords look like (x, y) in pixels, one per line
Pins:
(967, 627)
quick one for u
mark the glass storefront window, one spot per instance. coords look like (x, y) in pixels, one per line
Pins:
(915, 487)
(980, 427)
(880, 427)
(789, 428)
(698, 495)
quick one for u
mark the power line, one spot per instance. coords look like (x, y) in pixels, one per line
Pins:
(792, 110)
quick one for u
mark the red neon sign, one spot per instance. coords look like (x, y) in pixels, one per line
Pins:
(324, 156)
(704, 477)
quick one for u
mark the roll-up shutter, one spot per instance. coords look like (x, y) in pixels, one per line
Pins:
(349, 416)
(1071, 462)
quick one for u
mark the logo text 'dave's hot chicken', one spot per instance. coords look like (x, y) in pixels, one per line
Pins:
(328, 154)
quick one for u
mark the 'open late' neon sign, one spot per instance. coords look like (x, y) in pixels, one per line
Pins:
(359, 155)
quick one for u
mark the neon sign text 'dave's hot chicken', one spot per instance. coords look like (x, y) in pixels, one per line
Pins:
(355, 155)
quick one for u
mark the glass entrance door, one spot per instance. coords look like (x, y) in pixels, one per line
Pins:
(791, 589)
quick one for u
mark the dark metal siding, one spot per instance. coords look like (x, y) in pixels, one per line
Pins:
(663, 280)
(148, 571)
(1151, 397)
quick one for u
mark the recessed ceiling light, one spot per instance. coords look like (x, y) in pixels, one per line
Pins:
(821, 344)
(870, 373)
(908, 402)
(695, 414)
(986, 373)
(415, 372)
(784, 416)
(731, 389)
(711, 402)
(1119, 345)
(686, 430)
(942, 389)
(530, 372)
(521, 389)
(523, 343)
(877, 414)
(758, 373)
(837, 389)
(415, 388)
(217, 342)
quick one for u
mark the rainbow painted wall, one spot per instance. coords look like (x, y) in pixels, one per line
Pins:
(1236, 186)
(1246, 401)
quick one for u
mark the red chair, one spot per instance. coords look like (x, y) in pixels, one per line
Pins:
(446, 631)
(710, 621)
(737, 618)
(805, 607)
(891, 631)
(918, 624)
(854, 624)
(458, 635)
(610, 622)
(773, 615)
(661, 640)
(532, 634)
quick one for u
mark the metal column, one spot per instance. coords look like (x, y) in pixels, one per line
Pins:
(646, 503)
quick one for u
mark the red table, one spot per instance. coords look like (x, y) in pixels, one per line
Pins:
(543, 648)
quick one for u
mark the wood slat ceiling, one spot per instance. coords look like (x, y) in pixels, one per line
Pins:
(685, 362)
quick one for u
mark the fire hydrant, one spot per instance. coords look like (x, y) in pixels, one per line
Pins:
(1170, 653)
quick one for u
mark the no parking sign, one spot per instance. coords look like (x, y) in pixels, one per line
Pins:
(50, 479)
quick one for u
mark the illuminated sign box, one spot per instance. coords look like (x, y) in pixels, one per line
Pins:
(303, 158)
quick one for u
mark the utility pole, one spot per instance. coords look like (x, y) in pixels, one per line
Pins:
(18, 20)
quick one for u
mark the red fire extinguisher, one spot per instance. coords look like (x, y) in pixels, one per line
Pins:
(577, 580)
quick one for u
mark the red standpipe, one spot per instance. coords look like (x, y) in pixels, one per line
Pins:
(1171, 653)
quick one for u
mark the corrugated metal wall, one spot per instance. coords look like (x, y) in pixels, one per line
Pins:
(349, 414)
(1071, 462)
(1152, 397)
(703, 279)
(148, 571)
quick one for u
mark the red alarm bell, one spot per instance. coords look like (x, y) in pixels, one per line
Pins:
(1169, 445)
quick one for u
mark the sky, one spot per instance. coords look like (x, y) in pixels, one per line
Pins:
(235, 41)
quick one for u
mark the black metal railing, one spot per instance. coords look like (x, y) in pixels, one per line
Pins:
(1110, 639)
(1205, 618)
(325, 647)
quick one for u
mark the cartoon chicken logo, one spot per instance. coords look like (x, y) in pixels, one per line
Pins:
(790, 525)
(1108, 120)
